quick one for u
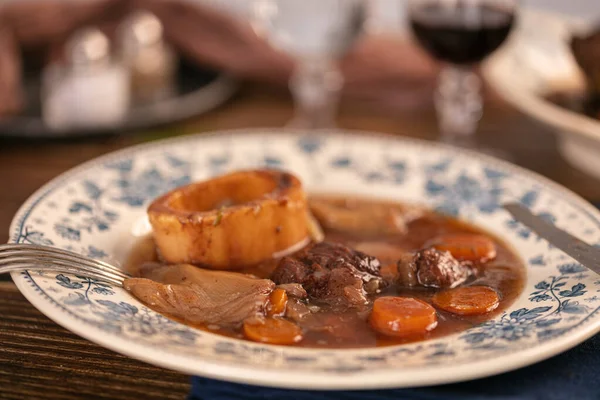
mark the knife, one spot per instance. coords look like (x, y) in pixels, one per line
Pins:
(587, 255)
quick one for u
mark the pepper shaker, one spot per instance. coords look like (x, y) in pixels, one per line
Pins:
(150, 59)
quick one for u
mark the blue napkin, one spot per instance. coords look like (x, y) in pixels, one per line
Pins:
(574, 374)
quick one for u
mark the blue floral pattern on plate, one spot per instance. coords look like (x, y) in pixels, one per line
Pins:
(99, 210)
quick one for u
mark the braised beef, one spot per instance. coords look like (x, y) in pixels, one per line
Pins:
(293, 290)
(432, 268)
(362, 217)
(296, 310)
(333, 273)
(407, 271)
(201, 296)
(327, 285)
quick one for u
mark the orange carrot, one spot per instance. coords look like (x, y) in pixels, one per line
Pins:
(277, 302)
(470, 300)
(402, 316)
(466, 246)
(272, 331)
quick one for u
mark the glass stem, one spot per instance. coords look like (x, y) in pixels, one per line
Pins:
(458, 105)
(315, 87)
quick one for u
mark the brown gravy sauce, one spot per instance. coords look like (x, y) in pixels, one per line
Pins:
(505, 274)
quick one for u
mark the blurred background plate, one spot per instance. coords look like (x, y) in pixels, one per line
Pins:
(197, 91)
(536, 62)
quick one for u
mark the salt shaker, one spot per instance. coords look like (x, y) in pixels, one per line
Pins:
(88, 89)
(150, 59)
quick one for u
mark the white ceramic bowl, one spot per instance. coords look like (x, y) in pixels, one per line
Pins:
(537, 61)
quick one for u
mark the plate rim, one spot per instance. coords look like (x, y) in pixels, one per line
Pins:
(303, 379)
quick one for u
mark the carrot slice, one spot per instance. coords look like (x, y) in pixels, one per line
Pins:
(277, 302)
(466, 246)
(402, 316)
(273, 331)
(470, 300)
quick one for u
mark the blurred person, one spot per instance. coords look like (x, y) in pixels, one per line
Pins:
(384, 69)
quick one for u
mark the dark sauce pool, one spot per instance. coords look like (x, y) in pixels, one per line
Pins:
(349, 328)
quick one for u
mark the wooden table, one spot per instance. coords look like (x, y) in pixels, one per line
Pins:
(41, 360)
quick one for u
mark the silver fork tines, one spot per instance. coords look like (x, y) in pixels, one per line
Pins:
(22, 257)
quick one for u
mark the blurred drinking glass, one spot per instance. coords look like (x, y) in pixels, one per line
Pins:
(317, 33)
(460, 33)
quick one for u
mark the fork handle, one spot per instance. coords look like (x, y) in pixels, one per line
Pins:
(60, 269)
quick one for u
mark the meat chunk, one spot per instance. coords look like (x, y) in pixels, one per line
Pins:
(296, 310)
(333, 273)
(407, 271)
(432, 268)
(201, 296)
(363, 217)
(293, 290)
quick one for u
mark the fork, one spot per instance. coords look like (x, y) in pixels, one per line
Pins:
(22, 257)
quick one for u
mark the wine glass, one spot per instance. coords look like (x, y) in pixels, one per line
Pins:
(316, 33)
(460, 33)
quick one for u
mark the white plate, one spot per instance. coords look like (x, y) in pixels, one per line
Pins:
(537, 61)
(99, 209)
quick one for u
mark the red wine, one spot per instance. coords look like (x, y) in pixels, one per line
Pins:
(464, 34)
